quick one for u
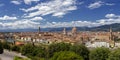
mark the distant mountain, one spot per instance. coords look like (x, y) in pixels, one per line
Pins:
(115, 27)
(67, 29)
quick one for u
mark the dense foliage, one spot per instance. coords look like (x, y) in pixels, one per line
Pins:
(57, 48)
(15, 48)
(99, 54)
(62, 51)
(48, 51)
(1, 48)
(66, 55)
(114, 55)
(81, 50)
(20, 58)
(6, 45)
(33, 52)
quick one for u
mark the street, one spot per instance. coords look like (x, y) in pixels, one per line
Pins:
(9, 55)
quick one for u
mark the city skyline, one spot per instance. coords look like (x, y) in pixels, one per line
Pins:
(25, 14)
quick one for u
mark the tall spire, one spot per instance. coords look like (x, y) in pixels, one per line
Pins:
(110, 33)
(39, 29)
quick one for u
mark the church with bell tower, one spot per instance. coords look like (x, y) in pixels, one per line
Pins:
(111, 38)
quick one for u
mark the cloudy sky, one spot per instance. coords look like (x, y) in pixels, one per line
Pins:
(23, 14)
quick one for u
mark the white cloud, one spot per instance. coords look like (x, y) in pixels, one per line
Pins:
(54, 7)
(110, 4)
(70, 24)
(111, 16)
(30, 23)
(37, 18)
(29, 1)
(109, 20)
(8, 18)
(15, 2)
(99, 4)
(1, 5)
(80, 3)
(59, 14)
(95, 5)
(21, 24)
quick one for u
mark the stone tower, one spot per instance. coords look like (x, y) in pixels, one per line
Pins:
(64, 31)
(110, 34)
(39, 30)
(111, 38)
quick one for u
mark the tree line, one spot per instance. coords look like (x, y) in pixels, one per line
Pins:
(63, 51)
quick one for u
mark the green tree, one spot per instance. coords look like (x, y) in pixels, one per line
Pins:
(99, 54)
(6, 45)
(20, 58)
(1, 48)
(15, 48)
(57, 48)
(39, 51)
(27, 49)
(33, 52)
(81, 50)
(114, 55)
(66, 55)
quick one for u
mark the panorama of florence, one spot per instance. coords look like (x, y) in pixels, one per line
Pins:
(59, 29)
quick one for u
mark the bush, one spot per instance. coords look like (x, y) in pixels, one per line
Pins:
(35, 58)
(99, 54)
(27, 49)
(1, 48)
(39, 52)
(57, 48)
(15, 48)
(81, 50)
(33, 52)
(20, 58)
(66, 55)
(6, 46)
(114, 55)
